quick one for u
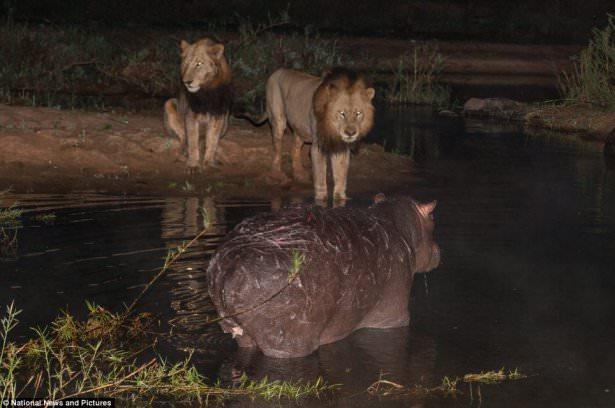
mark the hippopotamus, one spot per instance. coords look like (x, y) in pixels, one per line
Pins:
(291, 281)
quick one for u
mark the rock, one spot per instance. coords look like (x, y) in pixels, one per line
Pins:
(495, 107)
(448, 113)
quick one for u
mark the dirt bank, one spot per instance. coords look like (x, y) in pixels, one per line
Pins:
(49, 150)
(591, 122)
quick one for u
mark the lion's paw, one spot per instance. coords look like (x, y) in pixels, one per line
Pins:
(193, 170)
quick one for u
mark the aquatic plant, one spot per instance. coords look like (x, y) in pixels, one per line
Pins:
(415, 78)
(48, 218)
(9, 216)
(107, 354)
(296, 262)
(447, 388)
(592, 79)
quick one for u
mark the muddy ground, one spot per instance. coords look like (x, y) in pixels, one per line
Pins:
(49, 150)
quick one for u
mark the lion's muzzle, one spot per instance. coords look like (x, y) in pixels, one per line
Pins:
(191, 86)
(350, 134)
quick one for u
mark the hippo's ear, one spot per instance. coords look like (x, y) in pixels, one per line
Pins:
(183, 44)
(426, 209)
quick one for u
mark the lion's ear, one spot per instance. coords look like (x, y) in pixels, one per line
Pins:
(217, 51)
(370, 92)
(325, 73)
(183, 44)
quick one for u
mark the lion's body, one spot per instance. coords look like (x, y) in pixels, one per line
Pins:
(312, 108)
(204, 101)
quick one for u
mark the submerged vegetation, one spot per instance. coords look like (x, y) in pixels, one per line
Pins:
(447, 388)
(108, 355)
(592, 79)
(415, 78)
(9, 216)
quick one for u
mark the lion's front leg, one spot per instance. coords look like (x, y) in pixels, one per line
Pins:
(299, 172)
(192, 135)
(319, 170)
(340, 162)
(215, 129)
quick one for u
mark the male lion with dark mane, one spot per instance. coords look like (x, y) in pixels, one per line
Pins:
(204, 100)
(333, 112)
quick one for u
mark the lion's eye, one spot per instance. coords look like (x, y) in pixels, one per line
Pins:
(358, 114)
(199, 64)
(341, 114)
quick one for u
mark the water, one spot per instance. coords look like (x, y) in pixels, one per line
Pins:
(526, 224)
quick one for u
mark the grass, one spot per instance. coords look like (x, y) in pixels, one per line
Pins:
(9, 216)
(10, 219)
(592, 79)
(48, 218)
(71, 67)
(108, 355)
(415, 78)
(296, 262)
(447, 388)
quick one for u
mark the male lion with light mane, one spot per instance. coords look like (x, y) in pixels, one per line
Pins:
(204, 100)
(333, 112)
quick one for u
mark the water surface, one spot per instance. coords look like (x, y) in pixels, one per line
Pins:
(526, 224)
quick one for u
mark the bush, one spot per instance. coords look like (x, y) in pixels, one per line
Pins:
(592, 79)
(414, 78)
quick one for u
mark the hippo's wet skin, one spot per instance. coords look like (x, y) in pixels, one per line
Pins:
(357, 272)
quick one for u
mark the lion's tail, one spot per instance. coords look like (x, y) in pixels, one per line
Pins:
(255, 120)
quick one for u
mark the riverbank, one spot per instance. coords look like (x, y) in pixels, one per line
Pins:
(50, 150)
(589, 121)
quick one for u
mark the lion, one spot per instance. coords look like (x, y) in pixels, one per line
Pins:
(204, 101)
(333, 112)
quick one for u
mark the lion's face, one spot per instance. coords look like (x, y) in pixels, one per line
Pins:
(201, 64)
(344, 111)
(351, 114)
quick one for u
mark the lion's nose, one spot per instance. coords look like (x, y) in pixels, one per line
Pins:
(188, 83)
(350, 132)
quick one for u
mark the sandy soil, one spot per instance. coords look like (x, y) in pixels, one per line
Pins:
(49, 150)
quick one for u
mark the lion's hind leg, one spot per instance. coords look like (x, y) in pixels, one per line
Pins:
(172, 122)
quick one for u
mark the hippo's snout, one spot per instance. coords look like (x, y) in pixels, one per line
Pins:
(435, 257)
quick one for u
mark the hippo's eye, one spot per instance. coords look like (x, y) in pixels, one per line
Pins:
(341, 114)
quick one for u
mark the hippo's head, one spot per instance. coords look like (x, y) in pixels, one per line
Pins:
(427, 255)
(415, 221)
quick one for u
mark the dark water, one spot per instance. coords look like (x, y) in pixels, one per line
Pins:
(526, 224)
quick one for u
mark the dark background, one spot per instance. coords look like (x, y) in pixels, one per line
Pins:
(521, 21)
